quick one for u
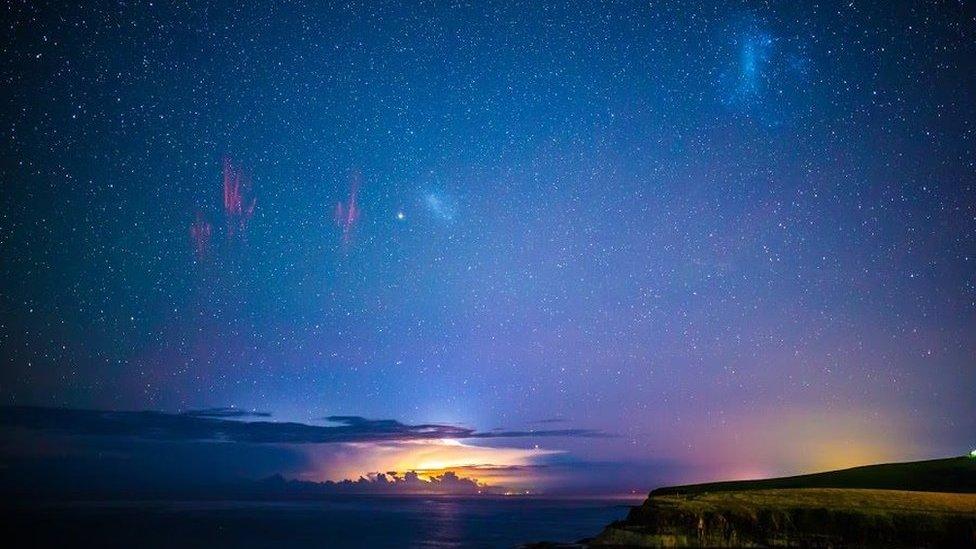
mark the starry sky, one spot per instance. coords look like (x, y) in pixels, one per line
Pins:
(649, 242)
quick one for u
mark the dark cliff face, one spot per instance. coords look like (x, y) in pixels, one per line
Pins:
(799, 518)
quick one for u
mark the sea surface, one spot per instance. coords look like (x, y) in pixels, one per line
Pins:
(340, 522)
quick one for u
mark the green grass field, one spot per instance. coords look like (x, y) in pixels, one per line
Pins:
(937, 475)
(879, 502)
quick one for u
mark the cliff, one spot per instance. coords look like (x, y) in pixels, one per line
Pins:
(918, 504)
(806, 517)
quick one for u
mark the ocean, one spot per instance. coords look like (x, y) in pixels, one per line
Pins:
(338, 522)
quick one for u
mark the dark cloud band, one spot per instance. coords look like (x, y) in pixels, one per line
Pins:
(220, 424)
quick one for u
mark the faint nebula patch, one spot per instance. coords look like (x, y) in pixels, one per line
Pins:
(441, 206)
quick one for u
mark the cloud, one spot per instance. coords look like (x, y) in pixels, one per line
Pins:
(219, 424)
(224, 412)
(550, 420)
(389, 483)
(504, 465)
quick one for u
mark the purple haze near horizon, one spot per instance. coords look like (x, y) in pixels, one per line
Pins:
(738, 240)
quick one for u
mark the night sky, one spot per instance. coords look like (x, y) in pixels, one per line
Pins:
(651, 241)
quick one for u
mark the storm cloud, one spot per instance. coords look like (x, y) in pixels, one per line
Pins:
(222, 425)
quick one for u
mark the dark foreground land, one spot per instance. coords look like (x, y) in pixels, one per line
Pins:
(919, 504)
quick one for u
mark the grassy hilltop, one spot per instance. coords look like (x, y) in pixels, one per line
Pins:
(919, 504)
(937, 475)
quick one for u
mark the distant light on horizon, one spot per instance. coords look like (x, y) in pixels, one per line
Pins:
(727, 239)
